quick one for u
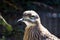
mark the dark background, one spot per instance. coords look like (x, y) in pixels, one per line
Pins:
(12, 10)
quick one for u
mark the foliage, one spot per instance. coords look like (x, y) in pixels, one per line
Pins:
(4, 23)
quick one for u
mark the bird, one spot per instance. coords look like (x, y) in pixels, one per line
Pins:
(34, 29)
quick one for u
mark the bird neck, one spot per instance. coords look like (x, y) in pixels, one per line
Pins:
(40, 26)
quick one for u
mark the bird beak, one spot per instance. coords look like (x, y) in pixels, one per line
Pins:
(21, 23)
(20, 19)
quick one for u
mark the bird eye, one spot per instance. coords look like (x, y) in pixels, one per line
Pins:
(32, 17)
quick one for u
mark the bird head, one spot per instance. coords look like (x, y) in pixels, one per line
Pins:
(30, 18)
